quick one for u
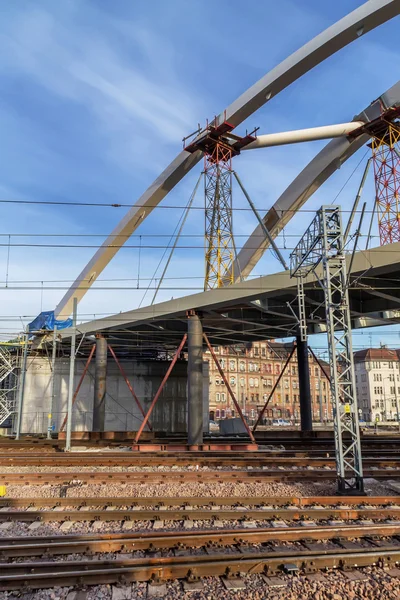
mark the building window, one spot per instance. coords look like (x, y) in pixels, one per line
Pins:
(287, 399)
(217, 397)
(256, 351)
(269, 368)
(242, 381)
(222, 414)
(316, 371)
(251, 366)
(232, 365)
(233, 380)
(256, 367)
(263, 351)
(217, 381)
(277, 369)
(293, 370)
(222, 397)
(222, 363)
(217, 413)
(286, 384)
(242, 366)
(251, 382)
(256, 381)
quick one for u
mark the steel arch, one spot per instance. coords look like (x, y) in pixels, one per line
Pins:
(362, 20)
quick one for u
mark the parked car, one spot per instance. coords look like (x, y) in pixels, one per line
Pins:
(280, 423)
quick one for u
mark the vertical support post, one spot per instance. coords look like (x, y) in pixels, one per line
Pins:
(21, 388)
(321, 406)
(160, 389)
(304, 385)
(195, 379)
(71, 377)
(100, 376)
(53, 381)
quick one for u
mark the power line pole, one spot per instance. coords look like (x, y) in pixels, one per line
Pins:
(322, 244)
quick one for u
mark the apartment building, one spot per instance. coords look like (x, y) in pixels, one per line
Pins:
(252, 371)
(378, 383)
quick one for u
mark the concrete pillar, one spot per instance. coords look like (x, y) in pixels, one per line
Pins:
(304, 386)
(99, 401)
(195, 380)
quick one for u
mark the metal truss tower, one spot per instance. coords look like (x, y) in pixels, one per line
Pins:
(386, 158)
(219, 145)
(220, 248)
(323, 243)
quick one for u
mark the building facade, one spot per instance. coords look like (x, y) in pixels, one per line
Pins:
(378, 383)
(252, 371)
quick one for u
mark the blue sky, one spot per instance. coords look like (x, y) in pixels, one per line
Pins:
(95, 97)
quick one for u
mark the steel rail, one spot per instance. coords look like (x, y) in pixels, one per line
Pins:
(161, 501)
(17, 547)
(68, 573)
(142, 460)
(105, 477)
(237, 514)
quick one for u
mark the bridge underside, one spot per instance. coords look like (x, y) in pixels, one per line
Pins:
(252, 310)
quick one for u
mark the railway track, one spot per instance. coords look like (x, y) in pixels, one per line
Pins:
(201, 476)
(76, 511)
(227, 459)
(190, 555)
(290, 442)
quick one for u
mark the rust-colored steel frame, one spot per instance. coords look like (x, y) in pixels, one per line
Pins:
(261, 415)
(160, 389)
(386, 161)
(228, 387)
(122, 371)
(218, 217)
(78, 387)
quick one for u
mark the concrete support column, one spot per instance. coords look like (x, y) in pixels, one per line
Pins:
(99, 401)
(304, 385)
(195, 380)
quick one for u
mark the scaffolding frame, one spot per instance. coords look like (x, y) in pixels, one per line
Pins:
(386, 160)
(323, 243)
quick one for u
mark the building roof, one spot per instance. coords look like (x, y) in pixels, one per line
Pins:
(377, 354)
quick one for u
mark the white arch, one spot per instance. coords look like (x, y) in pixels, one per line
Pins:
(362, 20)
